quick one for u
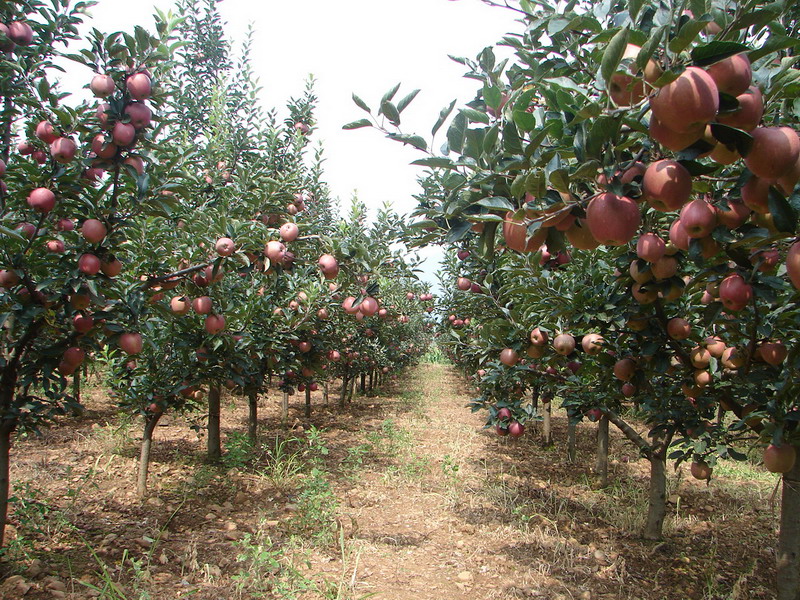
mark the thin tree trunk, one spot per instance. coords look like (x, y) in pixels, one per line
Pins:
(547, 431)
(252, 417)
(352, 388)
(535, 406)
(602, 450)
(343, 395)
(363, 382)
(372, 380)
(285, 407)
(76, 385)
(325, 393)
(6, 429)
(308, 402)
(657, 500)
(788, 564)
(571, 445)
(214, 437)
(144, 455)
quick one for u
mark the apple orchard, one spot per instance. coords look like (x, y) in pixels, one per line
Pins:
(618, 206)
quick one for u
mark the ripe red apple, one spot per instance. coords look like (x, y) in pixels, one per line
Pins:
(102, 86)
(463, 284)
(202, 305)
(225, 246)
(612, 220)
(678, 236)
(644, 295)
(349, 305)
(774, 152)
(592, 343)
(93, 231)
(289, 232)
(504, 414)
(329, 266)
(82, 323)
(7, 44)
(700, 470)
(139, 86)
(538, 337)
(698, 218)
(516, 429)
(732, 75)
(667, 185)
(773, 353)
(564, 344)
(793, 264)
(304, 347)
(780, 459)
(139, 114)
(733, 358)
(55, 246)
(20, 33)
(650, 247)
(275, 251)
(103, 146)
(515, 233)
(700, 357)
(369, 306)
(674, 140)
(123, 134)
(111, 267)
(748, 115)
(180, 305)
(734, 292)
(42, 200)
(509, 357)
(89, 264)
(130, 343)
(665, 267)
(214, 324)
(74, 356)
(46, 132)
(627, 89)
(690, 100)
(501, 431)
(628, 389)
(63, 150)
(735, 215)
(625, 369)
(678, 328)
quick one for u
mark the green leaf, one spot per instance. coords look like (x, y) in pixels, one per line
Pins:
(496, 203)
(490, 141)
(414, 140)
(708, 54)
(437, 162)
(587, 170)
(524, 120)
(492, 96)
(475, 116)
(390, 111)
(696, 168)
(387, 97)
(443, 114)
(613, 54)
(688, 33)
(730, 136)
(511, 140)
(358, 124)
(361, 104)
(486, 218)
(650, 46)
(784, 215)
(406, 101)
(775, 43)
(457, 132)
(458, 231)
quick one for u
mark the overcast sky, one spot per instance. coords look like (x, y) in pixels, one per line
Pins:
(354, 46)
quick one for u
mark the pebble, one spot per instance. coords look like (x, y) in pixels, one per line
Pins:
(465, 576)
(231, 526)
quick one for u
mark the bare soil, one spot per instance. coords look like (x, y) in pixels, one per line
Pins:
(400, 495)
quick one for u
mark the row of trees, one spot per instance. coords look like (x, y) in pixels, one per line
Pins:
(176, 234)
(620, 207)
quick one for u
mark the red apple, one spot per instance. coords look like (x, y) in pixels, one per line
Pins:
(329, 266)
(46, 132)
(289, 232)
(612, 220)
(42, 200)
(690, 100)
(698, 218)
(102, 86)
(678, 328)
(93, 231)
(20, 33)
(139, 114)
(780, 459)
(89, 264)
(774, 152)
(130, 343)
(123, 134)
(214, 324)
(202, 305)
(139, 86)
(732, 75)
(509, 357)
(748, 115)
(225, 246)
(667, 185)
(734, 292)
(650, 247)
(564, 344)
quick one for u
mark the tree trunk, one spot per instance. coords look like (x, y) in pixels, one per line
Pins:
(535, 406)
(571, 445)
(308, 402)
(144, 455)
(76, 385)
(602, 450)
(547, 431)
(343, 395)
(788, 564)
(252, 417)
(657, 502)
(214, 437)
(325, 392)
(285, 407)
(371, 380)
(6, 429)
(363, 382)
(352, 388)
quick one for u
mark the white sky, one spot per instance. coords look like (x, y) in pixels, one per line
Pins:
(354, 46)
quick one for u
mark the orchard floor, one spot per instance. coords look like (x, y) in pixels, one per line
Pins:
(401, 495)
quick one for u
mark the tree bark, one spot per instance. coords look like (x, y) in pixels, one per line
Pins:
(144, 455)
(252, 417)
(788, 563)
(285, 407)
(76, 385)
(363, 382)
(7, 427)
(657, 500)
(371, 380)
(308, 402)
(325, 392)
(572, 428)
(602, 450)
(547, 431)
(343, 395)
(214, 438)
